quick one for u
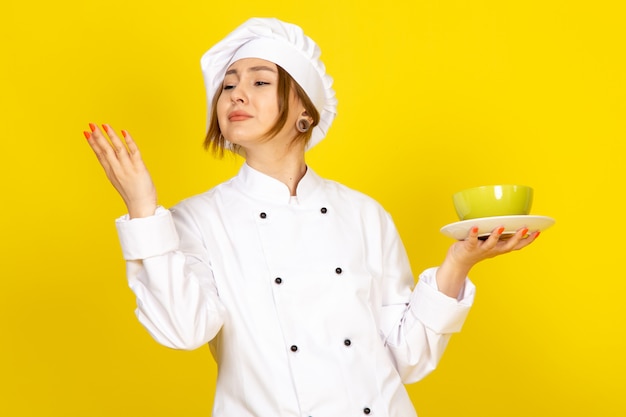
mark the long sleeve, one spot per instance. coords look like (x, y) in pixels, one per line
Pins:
(420, 338)
(417, 324)
(177, 299)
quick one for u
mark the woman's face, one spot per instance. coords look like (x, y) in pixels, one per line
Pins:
(248, 105)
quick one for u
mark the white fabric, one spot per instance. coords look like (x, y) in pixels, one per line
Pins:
(344, 297)
(284, 44)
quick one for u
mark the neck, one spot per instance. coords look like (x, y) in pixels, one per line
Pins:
(285, 165)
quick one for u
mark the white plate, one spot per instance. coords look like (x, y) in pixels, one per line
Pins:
(486, 225)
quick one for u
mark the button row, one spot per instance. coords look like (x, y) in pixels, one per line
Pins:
(263, 214)
(294, 348)
(279, 280)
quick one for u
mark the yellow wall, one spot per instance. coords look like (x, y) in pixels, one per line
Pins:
(435, 96)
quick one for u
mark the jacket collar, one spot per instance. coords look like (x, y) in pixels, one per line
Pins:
(262, 186)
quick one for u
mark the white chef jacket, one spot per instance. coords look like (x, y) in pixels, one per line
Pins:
(306, 302)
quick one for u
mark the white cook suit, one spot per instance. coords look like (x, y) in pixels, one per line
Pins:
(306, 302)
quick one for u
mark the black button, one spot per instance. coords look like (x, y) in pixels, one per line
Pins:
(338, 270)
(367, 410)
(294, 348)
(278, 280)
(262, 215)
(347, 342)
(323, 210)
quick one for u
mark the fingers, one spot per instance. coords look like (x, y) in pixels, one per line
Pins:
(120, 158)
(490, 242)
(101, 146)
(120, 147)
(473, 233)
(133, 150)
(477, 248)
(472, 239)
(108, 146)
(519, 240)
(501, 241)
(124, 168)
(524, 239)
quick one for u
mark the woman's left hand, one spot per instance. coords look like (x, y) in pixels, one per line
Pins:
(464, 254)
(472, 250)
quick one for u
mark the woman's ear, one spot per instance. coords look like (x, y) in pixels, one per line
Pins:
(305, 115)
(303, 124)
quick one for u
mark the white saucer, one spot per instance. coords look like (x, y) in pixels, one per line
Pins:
(486, 225)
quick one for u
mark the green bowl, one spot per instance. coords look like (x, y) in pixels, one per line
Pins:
(493, 200)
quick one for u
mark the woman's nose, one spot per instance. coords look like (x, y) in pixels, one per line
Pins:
(238, 94)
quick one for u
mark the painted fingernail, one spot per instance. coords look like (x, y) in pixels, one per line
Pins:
(124, 133)
(475, 229)
(106, 129)
(87, 135)
(500, 230)
(92, 127)
(537, 234)
(524, 231)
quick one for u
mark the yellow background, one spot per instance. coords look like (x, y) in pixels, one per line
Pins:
(435, 96)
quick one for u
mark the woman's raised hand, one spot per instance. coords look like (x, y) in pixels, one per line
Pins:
(472, 250)
(464, 254)
(124, 167)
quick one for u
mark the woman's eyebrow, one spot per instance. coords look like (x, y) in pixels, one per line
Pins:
(257, 68)
(262, 68)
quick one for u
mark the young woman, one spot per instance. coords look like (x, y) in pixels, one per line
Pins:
(300, 285)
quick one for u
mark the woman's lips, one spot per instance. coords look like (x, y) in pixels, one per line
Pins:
(237, 116)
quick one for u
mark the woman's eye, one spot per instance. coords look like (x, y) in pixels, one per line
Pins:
(228, 87)
(261, 83)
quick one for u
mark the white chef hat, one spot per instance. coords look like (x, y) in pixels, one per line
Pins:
(284, 44)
